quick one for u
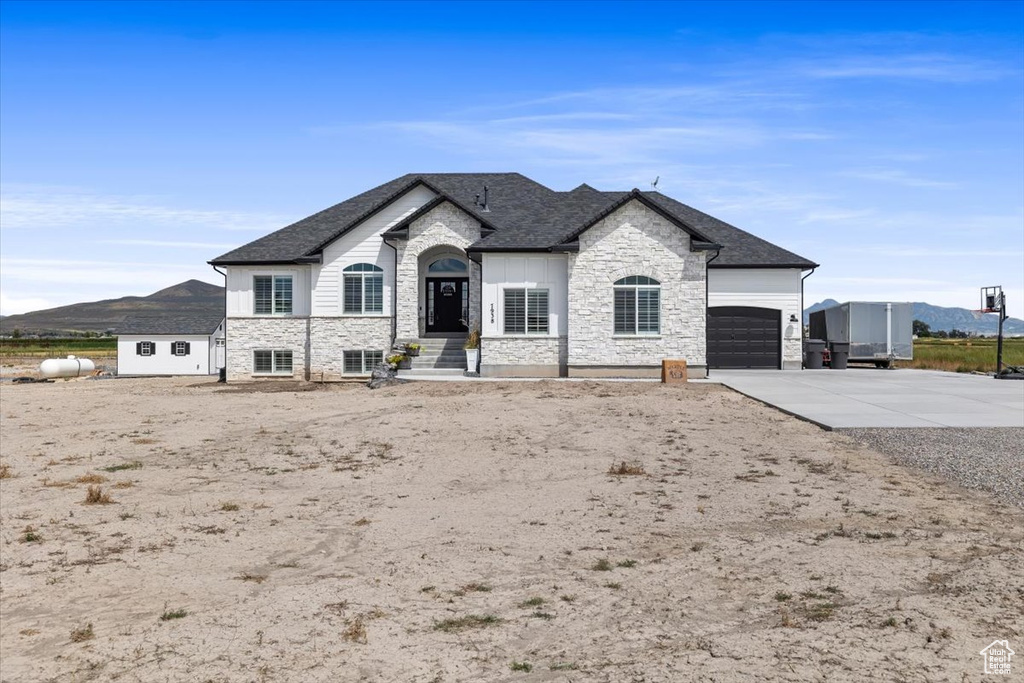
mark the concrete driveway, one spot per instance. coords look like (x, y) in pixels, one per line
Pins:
(869, 397)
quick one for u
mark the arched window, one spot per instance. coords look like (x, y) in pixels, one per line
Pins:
(446, 266)
(637, 305)
(363, 285)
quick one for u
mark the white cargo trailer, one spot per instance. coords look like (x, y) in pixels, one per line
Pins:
(878, 332)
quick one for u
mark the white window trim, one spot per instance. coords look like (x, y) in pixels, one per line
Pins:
(274, 372)
(151, 346)
(273, 303)
(174, 348)
(526, 313)
(636, 333)
(362, 275)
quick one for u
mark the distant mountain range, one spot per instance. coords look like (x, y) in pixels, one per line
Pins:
(201, 298)
(192, 297)
(946, 319)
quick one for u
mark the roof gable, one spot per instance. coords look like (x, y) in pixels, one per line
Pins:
(635, 195)
(520, 215)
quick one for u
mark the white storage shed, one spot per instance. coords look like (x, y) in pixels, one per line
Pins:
(170, 345)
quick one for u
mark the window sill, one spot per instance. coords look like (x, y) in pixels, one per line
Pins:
(273, 374)
(636, 336)
(537, 335)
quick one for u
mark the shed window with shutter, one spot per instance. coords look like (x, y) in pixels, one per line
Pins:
(145, 348)
(526, 311)
(363, 289)
(180, 348)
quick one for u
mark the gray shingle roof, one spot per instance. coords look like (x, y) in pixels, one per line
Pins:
(522, 215)
(740, 248)
(170, 324)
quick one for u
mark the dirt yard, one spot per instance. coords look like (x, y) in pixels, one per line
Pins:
(535, 531)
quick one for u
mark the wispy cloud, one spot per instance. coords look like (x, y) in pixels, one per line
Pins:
(624, 145)
(170, 244)
(40, 207)
(68, 272)
(15, 305)
(30, 284)
(898, 251)
(896, 177)
(944, 68)
(567, 116)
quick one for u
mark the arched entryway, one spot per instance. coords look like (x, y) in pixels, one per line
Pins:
(445, 287)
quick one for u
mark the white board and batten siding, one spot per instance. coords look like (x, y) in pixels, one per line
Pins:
(774, 288)
(363, 244)
(240, 288)
(513, 271)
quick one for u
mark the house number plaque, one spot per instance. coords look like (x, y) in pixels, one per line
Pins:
(673, 371)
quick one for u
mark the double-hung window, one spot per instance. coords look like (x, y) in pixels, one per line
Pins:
(637, 305)
(526, 311)
(145, 348)
(272, 362)
(180, 348)
(272, 294)
(363, 289)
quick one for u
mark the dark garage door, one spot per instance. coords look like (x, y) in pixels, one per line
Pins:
(744, 337)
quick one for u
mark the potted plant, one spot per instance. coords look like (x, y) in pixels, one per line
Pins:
(399, 361)
(412, 349)
(472, 347)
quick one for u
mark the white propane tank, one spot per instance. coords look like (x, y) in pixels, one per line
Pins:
(66, 367)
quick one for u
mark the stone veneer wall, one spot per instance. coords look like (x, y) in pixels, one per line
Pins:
(523, 356)
(329, 337)
(636, 241)
(445, 225)
(792, 353)
(245, 335)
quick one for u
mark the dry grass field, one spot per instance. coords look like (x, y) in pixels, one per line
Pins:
(965, 355)
(181, 530)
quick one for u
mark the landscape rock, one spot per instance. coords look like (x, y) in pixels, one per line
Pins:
(382, 376)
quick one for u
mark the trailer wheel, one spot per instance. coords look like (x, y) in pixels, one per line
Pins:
(882, 364)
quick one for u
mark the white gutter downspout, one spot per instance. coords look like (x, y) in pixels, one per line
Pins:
(225, 274)
(802, 315)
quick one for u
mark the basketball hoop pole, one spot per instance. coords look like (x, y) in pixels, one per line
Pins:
(993, 300)
(999, 339)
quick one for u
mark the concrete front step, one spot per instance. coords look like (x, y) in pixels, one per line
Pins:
(430, 372)
(437, 348)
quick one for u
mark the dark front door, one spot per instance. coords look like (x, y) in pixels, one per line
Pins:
(447, 304)
(744, 337)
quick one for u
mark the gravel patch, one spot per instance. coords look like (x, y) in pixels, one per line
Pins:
(990, 459)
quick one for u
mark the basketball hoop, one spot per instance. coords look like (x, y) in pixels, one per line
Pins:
(994, 301)
(991, 299)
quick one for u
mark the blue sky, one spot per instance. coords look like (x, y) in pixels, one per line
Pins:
(883, 140)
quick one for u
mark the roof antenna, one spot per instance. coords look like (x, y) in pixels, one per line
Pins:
(654, 185)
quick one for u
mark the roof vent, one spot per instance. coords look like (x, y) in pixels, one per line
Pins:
(483, 205)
